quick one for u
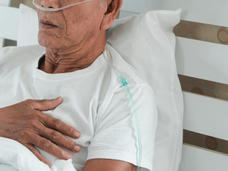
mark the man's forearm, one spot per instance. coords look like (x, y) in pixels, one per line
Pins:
(108, 164)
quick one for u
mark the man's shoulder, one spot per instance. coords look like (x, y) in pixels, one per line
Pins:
(123, 69)
(122, 75)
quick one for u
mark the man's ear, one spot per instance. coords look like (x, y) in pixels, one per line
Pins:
(112, 10)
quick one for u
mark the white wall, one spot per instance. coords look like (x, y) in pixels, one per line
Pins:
(4, 2)
(141, 5)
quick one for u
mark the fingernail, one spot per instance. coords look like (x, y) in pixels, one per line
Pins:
(67, 155)
(76, 134)
(76, 148)
(48, 163)
(59, 98)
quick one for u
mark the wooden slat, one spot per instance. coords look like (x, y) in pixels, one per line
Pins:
(206, 115)
(204, 87)
(223, 35)
(200, 31)
(205, 141)
(199, 159)
(203, 11)
(16, 3)
(10, 42)
(28, 3)
(9, 20)
(202, 60)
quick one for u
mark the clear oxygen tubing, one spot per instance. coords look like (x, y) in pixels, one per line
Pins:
(123, 81)
(58, 9)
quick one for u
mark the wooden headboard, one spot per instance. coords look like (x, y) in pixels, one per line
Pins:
(202, 62)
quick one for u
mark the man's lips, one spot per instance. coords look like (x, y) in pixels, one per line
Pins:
(48, 24)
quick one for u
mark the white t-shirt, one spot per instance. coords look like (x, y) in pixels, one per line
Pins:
(95, 103)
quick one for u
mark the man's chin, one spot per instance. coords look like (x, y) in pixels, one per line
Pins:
(49, 40)
(49, 44)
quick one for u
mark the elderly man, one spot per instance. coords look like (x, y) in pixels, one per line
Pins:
(84, 72)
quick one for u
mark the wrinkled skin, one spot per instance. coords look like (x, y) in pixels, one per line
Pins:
(73, 41)
(79, 36)
(26, 123)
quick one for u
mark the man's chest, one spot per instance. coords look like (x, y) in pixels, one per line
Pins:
(79, 107)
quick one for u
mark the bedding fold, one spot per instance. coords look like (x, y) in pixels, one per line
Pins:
(16, 157)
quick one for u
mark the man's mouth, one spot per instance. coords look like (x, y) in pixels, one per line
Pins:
(47, 24)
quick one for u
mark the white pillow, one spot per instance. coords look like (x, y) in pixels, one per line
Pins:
(28, 26)
(148, 44)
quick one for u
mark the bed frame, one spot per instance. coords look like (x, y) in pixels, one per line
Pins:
(202, 62)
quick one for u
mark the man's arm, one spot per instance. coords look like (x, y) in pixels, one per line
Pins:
(115, 132)
(26, 123)
(110, 165)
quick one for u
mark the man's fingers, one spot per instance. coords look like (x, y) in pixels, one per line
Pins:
(45, 105)
(49, 147)
(59, 125)
(38, 155)
(59, 139)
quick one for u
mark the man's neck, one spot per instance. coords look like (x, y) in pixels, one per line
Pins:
(71, 59)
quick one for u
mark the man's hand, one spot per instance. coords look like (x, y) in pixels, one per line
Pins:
(26, 123)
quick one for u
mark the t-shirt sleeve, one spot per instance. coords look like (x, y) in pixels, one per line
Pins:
(116, 128)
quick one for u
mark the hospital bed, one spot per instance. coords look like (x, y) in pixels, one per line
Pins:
(202, 63)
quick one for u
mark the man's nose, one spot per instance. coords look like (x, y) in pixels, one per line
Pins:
(50, 3)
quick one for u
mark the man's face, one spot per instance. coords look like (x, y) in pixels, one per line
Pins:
(73, 26)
